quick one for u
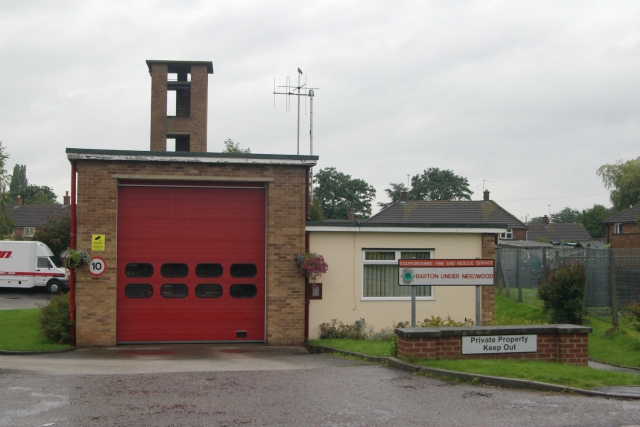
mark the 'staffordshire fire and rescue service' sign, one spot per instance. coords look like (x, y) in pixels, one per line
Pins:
(500, 344)
(445, 272)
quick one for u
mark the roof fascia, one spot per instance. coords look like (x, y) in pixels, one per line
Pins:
(189, 157)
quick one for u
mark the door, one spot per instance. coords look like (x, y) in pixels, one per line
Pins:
(191, 262)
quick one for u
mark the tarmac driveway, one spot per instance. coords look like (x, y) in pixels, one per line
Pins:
(254, 385)
(14, 298)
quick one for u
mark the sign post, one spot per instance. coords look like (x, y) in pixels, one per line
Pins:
(446, 272)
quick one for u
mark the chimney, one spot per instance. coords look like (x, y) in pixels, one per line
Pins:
(486, 195)
(352, 217)
(403, 196)
(18, 200)
(66, 199)
(545, 220)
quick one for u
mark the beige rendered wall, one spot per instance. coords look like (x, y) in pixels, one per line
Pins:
(342, 284)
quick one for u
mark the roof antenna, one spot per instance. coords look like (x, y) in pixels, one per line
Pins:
(300, 90)
(483, 181)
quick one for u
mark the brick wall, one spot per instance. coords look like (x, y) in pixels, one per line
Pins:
(97, 214)
(629, 238)
(488, 292)
(553, 344)
(519, 234)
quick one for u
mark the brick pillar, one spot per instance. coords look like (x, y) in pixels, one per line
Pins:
(199, 95)
(158, 107)
(488, 292)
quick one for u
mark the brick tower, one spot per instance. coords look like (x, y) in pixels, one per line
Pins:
(189, 80)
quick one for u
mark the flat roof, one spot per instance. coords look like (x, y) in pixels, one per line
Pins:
(180, 66)
(189, 157)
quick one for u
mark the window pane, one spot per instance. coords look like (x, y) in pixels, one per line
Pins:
(208, 291)
(174, 291)
(244, 270)
(415, 255)
(379, 256)
(174, 270)
(208, 270)
(243, 291)
(382, 281)
(139, 270)
(138, 291)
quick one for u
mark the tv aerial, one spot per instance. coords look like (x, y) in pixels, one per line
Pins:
(298, 91)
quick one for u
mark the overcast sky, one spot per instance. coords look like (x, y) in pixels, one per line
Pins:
(533, 96)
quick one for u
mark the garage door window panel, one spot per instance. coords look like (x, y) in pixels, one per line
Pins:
(174, 270)
(138, 290)
(209, 270)
(174, 290)
(243, 290)
(139, 270)
(205, 290)
(380, 275)
(243, 270)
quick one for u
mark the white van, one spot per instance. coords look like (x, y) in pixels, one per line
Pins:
(28, 264)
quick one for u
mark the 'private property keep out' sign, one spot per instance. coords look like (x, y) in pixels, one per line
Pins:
(445, 272)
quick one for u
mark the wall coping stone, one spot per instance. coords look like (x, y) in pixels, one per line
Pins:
(490, 330)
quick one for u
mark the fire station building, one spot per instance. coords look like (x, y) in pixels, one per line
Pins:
(198, 246)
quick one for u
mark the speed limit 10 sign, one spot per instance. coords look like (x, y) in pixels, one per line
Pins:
(97, 266)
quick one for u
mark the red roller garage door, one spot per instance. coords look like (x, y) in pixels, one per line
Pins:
(191, 262)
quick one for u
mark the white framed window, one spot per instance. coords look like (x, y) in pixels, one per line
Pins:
(380, 274)
(507, 235)
(617, 228)
(29, 232)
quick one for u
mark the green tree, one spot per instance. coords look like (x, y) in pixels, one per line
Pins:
(592, 220)
(18, 182)
(39, 195)
(566, 215)
(395, 193)
(338, 192)
(234, 147)
(623, 181)
(6, 223)
(439, 184)
(316, 210)
(536, 220)
(55, 233)
(562, 293)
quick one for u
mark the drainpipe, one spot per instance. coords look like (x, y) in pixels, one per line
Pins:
(72, 270)
(307, 236)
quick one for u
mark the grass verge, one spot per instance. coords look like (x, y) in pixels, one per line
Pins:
(553, 373)
(20, 331)
(371, 348)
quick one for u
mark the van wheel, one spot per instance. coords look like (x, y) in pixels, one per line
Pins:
(53, 287)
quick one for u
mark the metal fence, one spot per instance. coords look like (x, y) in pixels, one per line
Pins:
(613, 275)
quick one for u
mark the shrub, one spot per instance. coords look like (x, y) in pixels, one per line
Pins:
(54, 320)
(336, 329)
(633, 311)
(562, 293)
(438, 322)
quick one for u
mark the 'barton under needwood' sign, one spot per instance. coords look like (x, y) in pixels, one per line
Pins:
(445, 272)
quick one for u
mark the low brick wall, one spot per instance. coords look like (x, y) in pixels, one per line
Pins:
(554, 343)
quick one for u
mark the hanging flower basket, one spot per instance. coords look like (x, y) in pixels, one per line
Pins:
(311, 265)
(74, 258)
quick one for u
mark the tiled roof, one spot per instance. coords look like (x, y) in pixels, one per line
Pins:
(446, 212)
(558, 232)
(625, 216)
(35, 215)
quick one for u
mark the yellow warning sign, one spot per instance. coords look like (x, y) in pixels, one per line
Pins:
(97, 242)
